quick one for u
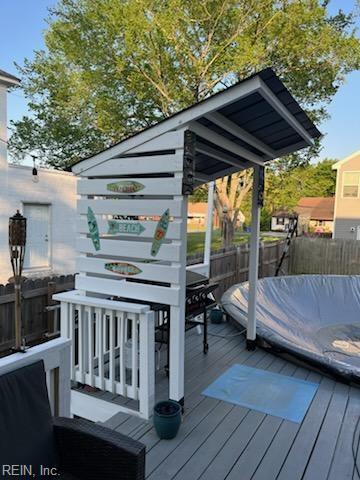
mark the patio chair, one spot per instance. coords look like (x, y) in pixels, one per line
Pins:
(31, 439)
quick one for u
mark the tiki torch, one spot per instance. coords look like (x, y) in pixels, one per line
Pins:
(17, 241)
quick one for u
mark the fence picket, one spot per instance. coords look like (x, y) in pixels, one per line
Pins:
(324, 256)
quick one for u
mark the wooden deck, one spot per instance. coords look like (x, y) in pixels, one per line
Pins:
(218, 440)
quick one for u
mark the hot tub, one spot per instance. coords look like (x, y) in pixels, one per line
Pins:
(315, 317)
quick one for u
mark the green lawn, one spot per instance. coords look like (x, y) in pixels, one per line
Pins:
(195, 240)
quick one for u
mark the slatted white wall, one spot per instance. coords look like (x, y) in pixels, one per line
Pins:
(154, 278)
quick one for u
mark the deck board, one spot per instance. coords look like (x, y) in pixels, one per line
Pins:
(320, 460)
(278, 449)
(218, 440)
(342, 465)
(297, 458)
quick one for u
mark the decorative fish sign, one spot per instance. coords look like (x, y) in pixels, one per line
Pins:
(125, 186)
(93, 228)
(132, 228)
(123, 268)
(160, 232)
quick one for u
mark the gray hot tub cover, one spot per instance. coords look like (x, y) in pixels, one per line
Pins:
(316, 317)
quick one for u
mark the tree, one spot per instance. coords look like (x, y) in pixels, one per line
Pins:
(114, 67)
(200, 194)
(111, 68)
(231, 191)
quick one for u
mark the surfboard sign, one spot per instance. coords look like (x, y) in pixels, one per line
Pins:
(123, 268)
(160, 232)
(93, 228)
(131, 228)
(125, 186)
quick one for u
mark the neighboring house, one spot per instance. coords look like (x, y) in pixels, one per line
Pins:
(280, 220)
(347, 198)
(197, 213)
(315, 214)
(49, 206)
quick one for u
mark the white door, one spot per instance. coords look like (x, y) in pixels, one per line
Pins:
(37, 253)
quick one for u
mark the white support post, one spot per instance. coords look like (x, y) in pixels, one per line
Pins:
(209, 226)
(64, 379)
(147, 364)
(177, 324)
(254, 261)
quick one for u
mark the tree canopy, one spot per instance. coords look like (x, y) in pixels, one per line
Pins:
(113, 67)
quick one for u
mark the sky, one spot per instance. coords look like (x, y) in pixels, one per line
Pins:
(22, 23)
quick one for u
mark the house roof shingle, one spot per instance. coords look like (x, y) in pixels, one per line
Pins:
(283, 213)
(318, 208)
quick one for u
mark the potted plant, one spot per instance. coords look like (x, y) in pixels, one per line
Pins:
(167, 419)
(216, 315)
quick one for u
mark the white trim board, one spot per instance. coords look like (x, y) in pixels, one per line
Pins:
(150, 186)
(125, 206)
(173, 232)
(95, 409)
(224, 142)
(75, 297)
(122, 288)
(284, 113)
(122, 248)
(149, 271)
(138, 165)
(240, 133)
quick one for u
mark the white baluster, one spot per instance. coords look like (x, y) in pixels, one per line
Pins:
(122, 340)
(81, 343)
(134, 356)
(112, 351)
(100, 340)
(73, 340)
(90, 311)
(147, 364)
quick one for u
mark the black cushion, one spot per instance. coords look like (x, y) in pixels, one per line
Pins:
(26, 428)
(65, 476)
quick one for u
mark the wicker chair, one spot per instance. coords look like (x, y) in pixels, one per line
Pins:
(73, 448)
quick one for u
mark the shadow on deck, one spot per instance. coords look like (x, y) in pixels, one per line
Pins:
(218, 440)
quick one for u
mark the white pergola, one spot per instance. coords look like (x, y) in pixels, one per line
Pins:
(244, 126)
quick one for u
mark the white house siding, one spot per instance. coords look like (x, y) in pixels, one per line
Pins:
(56, 189)
(347, 209)
(275, 227)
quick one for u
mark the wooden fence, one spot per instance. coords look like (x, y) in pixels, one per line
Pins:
(37, 318)
(324, 256)
(231, 266)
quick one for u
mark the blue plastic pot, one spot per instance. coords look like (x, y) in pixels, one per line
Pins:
(167, 419)
(216, 315)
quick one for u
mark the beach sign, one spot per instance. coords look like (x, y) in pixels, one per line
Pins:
(131, 228)
(123, 268)
(160, 232)
(93, 228)
(125, 186)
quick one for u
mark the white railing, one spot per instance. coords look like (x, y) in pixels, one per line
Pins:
(56, 357)
(112, 346)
